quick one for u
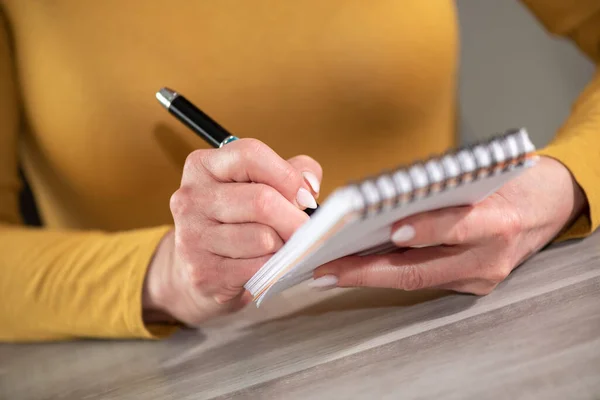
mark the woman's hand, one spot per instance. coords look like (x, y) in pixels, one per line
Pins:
(469, 249)
(235, 207)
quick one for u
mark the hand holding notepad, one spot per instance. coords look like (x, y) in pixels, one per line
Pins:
(356, 219)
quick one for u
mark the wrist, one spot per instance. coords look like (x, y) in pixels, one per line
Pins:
(573, 193)
(158, 282)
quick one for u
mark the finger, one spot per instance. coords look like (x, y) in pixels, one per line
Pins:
(234, 203)
(453, 225)
(311, 171)
(411, 270)
(242, 203)
(224, 278)
(249, 160)
(246, 240)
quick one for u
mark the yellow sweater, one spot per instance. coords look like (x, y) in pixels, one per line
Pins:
(78, 114)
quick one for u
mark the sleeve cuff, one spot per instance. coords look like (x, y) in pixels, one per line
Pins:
(133, 290)
(587, 176)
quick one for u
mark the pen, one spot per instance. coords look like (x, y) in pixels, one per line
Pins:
(200, 123)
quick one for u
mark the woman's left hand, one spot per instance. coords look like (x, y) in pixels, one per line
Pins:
(469, 249)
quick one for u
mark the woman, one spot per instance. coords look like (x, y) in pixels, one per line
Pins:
(144, 226)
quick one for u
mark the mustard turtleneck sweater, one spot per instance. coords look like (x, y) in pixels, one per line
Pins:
(360, 86)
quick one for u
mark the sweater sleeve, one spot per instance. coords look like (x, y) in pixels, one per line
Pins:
(577, 142)
(59, 285)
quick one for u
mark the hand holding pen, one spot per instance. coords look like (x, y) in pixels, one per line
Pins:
(236, 206)
(217, 136)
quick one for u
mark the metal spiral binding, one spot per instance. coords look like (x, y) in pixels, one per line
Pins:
(405, 184)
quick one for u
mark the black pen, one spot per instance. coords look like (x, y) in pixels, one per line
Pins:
(200, 123)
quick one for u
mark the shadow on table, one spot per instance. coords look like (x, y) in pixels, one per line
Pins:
(364, 299)
(335, 324)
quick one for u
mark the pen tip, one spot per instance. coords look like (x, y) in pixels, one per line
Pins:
(166, 96)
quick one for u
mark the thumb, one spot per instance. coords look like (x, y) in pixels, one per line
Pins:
(311, 171)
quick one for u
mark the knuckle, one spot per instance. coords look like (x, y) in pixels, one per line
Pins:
(263, 199)
(267, 242)
(193, 161)
(360, 277)
(510, 225)
(181, 201)
(461, 231)
(410, 278)
(289, 176)
(252, 148)
(498, 273)
(490, 272)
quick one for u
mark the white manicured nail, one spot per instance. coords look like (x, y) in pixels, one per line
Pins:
(312, 181)
(405, 233)
(324, 282)
(421, 246)
(305, 199)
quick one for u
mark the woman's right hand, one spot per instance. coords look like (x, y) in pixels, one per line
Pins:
(235, 207)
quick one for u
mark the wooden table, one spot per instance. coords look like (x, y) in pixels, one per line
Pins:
(537, 336)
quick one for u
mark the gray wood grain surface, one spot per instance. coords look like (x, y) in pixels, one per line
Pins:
(537, 336)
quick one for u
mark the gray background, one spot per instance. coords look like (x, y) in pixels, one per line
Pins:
(513, 73)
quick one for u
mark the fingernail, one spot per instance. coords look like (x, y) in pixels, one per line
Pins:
(312, 181)
(305, 199)
(403, 234)
(324, 282)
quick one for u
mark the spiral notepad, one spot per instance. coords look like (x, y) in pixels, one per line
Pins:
(357, 218)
